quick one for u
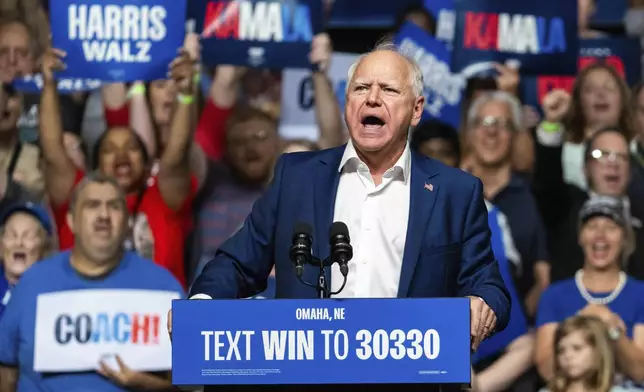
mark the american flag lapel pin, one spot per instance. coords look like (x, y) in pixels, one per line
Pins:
(429, 187)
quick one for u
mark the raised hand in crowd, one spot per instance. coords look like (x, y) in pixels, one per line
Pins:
(555, 105)
(52, 61)
(321, 51)
(508, 78)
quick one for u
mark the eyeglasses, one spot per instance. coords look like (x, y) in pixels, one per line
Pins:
(493, 122)
(609, 156)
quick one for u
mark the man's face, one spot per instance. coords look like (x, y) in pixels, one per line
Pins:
(609, 166)
(99, 221)
(120, 156)
(491, 135)
(381, 105)
(16, 57)
(252, 147)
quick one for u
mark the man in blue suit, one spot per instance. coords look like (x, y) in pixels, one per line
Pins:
(418, 227)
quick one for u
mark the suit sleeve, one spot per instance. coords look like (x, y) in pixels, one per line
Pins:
(479, 274)
(242, 264)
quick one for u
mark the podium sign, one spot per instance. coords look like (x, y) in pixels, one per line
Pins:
(283, 341)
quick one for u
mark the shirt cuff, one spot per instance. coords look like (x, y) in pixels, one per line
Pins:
(201, 296)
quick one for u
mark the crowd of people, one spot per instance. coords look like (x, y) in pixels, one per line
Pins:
(168, 170)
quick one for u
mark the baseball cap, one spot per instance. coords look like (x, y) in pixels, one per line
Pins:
(606, 206)
(32, 209)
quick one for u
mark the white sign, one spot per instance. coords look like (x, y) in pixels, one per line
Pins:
(77, 329)
(298, 106)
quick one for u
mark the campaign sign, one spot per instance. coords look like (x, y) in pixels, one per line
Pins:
(34, 83)
(445, 15)
(361, 341)
(609, 13)
(297, 119)
(538, 37)
(118, 42)
(77, 329)
(367, 13)
(273, 34)
(442, 89)
(623, 54)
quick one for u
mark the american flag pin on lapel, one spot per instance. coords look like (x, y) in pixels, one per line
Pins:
(429, 187)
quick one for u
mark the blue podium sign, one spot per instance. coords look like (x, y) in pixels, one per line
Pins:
(283, 341)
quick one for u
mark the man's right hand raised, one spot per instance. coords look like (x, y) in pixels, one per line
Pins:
(52, 61)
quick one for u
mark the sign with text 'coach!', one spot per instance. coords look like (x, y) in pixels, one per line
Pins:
(442, 89)
(273, 34)
(538, 37)
(77, 329)
(357, 341)
(118, 41)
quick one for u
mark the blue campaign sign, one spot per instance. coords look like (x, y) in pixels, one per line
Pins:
(442, 89)
(623, 54)
(367, 13)
(118, 42)
(539, 37)
(34, 84)
(361, 341)
(443, 11)
(609, 13)
(257, 33)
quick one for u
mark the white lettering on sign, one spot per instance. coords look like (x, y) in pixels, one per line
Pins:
(260, 21)
(117, 33)
(226, 342)
(340, 344)
(312, 314)
(437, 78)
(299, 345)
(518, 34)
(382, 344)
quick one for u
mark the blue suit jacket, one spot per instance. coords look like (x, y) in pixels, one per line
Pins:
(447, 250)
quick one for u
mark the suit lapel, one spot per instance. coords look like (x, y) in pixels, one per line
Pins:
(325, 182)
(423, 191)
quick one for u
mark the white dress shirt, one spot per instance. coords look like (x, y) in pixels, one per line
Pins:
(377, 218)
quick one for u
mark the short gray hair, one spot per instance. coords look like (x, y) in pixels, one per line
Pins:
(497, 96)
(93, 178)
(415, 73)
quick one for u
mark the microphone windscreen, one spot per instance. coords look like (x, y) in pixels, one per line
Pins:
(338, 228)
(302, 228)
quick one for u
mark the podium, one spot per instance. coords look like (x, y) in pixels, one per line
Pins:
(313, 342)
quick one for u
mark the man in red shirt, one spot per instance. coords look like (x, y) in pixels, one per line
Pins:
(159, 205)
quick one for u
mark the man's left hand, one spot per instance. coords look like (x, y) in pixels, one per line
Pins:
(482, 321)
(124, 376)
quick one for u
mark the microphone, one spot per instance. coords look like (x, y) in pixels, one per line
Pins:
(300, 252)
(341, 250)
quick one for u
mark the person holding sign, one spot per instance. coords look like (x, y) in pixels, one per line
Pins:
(421, 245)
(84, 319)
(159, 205)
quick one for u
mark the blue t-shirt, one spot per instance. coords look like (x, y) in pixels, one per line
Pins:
(562, 300)
(5, 290)
(17, 326)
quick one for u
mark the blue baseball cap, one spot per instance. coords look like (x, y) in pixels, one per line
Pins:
(32, 209)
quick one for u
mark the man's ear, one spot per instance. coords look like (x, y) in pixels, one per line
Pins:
(70, 221)
(417, 115)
